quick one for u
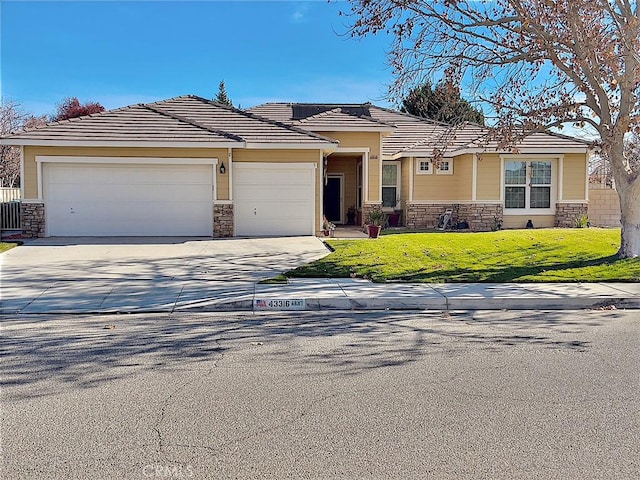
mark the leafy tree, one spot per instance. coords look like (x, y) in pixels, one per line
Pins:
(538, 63)
(12, 118)
(222, 96)
(71, 108)
(442, 103)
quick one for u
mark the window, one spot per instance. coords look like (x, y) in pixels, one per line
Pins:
(425, 166)
(527, 185)
(445, 167)
(390, 184)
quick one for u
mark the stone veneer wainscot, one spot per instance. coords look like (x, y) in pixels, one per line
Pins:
(32, 219)
(367, 208)
(481, 217)
(223, 220)
(568, 213)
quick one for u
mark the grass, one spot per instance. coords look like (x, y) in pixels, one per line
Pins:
(279, 279)
(4, 246)
(541, 255)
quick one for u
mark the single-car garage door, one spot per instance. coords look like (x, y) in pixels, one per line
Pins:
(122, 199)
(274, 198)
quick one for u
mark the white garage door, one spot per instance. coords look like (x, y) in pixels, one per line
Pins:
(128, 199)
(274, 198)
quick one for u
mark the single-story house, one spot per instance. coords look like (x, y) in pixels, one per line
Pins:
(188, 166)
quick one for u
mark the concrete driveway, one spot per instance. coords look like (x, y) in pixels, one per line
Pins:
(73, 275)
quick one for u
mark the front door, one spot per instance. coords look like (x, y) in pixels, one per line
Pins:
(333, 200)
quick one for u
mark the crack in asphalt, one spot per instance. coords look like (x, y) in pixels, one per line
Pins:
(169, 398)
(261, 431)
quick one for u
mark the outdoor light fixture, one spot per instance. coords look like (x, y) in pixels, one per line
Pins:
(222, 168)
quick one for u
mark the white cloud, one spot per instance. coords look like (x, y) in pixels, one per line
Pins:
(299, 14)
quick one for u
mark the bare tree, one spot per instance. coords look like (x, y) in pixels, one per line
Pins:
(12, 118)
(71, 108)
(538, 63)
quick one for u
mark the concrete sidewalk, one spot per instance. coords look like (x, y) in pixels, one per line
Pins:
(347, 294)
(183, 294)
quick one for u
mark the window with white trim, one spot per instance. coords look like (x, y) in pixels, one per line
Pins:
(445, 167)
(424, 166)
(390, 184)
(528, 185)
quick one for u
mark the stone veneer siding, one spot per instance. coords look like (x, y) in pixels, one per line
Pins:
(568, 213)
(32, 219)
(367, 208)
(481, 217)
(222, 220)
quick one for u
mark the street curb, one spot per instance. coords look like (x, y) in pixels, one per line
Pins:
(441, 304)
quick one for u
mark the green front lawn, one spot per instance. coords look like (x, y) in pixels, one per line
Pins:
(542, 255)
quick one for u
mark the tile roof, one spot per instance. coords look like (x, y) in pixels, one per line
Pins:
(136, 123)
(194, 121)
(323, 117)
(250, 127)
(337, 119)
(279, 112)
(412, 135)
(186, 120)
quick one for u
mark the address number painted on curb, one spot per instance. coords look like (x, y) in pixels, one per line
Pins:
(280, 304)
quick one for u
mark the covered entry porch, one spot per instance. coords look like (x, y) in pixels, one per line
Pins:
(346, 191)
(343, 186)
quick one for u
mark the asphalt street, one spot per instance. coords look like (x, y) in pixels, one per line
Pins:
(526, 394)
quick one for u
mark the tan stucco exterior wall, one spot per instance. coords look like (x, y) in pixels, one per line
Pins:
(574, 177)
(405, 179)
(489, 174)
(520, 221)
(30, 166)
(371, 140)
(446, 187)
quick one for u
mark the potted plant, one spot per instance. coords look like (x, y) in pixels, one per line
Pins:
(376, 219)
(328, 228)
(394, 218)
(351, 215)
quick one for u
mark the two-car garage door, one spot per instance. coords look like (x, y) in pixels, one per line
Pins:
(123, 199)
(107, 197)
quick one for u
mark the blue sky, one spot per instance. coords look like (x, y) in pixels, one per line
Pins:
(120, 53)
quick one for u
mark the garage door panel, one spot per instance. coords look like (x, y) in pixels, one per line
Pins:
(122, 173)
(137, 200)
(278, 194)
(274, 199)
(284, 177)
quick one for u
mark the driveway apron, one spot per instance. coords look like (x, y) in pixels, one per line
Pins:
(82, 275)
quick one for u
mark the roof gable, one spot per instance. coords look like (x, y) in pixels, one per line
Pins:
(187, 121)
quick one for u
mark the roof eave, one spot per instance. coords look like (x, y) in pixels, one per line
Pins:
(520, 151)
(118, 143)
(329, 128)
(292, 145)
